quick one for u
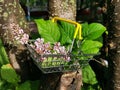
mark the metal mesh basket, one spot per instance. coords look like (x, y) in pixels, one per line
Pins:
(53, 62)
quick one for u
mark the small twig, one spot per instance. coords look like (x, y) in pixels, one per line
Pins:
(102, 62)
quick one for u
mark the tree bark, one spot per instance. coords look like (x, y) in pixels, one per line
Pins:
(66, 9)
(63, 8)
(11, 13)
(114, 44)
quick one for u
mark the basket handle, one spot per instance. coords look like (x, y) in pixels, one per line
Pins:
(78, 26)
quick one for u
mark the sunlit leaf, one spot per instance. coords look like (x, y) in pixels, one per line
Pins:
(9, 74)
(48, 30)
(89, 76)
(90, 47)
(92, 31)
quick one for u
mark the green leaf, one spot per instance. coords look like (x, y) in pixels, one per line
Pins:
(92, 31)
(65, 39)
(1, 61)
(6, 86)
(85, 30)
(89, 76)
(67, 31)
(2, 83)
(4, 57)
(9, 74)
(48, 30)
(68, 28)
(90, 47)
(24, 86)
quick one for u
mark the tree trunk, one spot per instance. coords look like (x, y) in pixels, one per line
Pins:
(66, 9)
(12, 17)
(63, 8)
(114, 44)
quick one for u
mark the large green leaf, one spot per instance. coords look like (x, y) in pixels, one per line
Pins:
(89, 76)
(69, 29)
(92, 31)
(9, 74)
(90, 47)
(65, 39)
(85, 30)
(48, 30)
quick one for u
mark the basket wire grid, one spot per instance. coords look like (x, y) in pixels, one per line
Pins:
(56, 64)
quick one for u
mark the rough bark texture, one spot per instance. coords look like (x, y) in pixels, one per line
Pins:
(63, 8)
(66, 9)
(114, 44)
(12, 13)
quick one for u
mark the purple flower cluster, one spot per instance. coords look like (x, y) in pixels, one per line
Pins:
(40, 47)
(18, 34)
(58, 49)
(45, 48)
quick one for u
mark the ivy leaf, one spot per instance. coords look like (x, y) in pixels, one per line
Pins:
(92, 31)
(9, 74)
(48, 30)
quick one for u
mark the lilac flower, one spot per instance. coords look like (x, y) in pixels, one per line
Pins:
(24, 39)
(59, 49)
(45, 48)
(67, 58)
(21, 31)
(42, 58)
(62, 50)
(40, 40)
(18, 34)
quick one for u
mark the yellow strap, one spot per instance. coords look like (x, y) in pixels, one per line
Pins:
(78, 31)
(78, 26)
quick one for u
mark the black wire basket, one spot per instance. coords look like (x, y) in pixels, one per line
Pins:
(53, 62)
